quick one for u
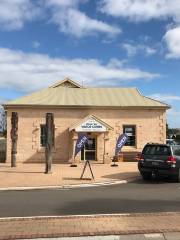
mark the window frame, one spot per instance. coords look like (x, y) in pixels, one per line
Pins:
(135, 134)
(40, 137)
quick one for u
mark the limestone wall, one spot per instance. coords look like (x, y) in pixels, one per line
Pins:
(150, 127)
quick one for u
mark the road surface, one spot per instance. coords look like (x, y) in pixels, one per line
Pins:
(138, 196)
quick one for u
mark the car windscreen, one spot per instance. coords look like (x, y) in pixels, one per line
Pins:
(157, 150)
(176, 150)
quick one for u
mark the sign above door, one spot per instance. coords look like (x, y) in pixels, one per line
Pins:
(91, 124)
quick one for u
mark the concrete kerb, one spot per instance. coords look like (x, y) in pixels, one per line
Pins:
(154, 236)
(72, 186)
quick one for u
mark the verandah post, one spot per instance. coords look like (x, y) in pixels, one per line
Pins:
(49, 141)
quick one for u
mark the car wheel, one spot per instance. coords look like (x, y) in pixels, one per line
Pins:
(146, 176)
(176, 178)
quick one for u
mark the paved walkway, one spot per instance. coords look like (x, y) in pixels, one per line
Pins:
(89, 225)
(32, 175)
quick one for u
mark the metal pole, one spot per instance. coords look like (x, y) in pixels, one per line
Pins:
(14, 137)
(49, 141)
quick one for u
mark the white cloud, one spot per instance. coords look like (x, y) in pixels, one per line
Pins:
(149, 50)
(172, 40)
(2, 100)
(142, 10)
(64, 13)
(165, 97)
(173, 116)
(36, 44)
(29, 72)
(63, 3)
(146, 10)
(132, 50)
(74, 22)
(14, 13)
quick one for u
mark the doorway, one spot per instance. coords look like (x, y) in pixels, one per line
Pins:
(88, 152)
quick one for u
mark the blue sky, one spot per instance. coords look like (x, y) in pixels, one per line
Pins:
(128, 43)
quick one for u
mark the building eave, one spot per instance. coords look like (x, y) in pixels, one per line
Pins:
(6, 106)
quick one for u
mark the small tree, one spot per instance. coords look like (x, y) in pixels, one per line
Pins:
(3, 121)
(177, 138)
(167, 130)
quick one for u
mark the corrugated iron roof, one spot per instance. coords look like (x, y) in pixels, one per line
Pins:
(60, 95)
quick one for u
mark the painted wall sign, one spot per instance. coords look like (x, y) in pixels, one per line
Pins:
(91, 125)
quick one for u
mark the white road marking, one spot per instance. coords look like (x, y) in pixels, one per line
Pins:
(83, 185)
(65, 216)
(153, 235)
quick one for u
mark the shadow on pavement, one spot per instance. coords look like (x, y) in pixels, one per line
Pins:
(122, 176)
(112, 205)
(160, 180)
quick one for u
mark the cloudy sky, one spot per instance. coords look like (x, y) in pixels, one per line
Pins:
(128, 43)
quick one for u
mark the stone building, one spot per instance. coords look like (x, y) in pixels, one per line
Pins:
(103, 113)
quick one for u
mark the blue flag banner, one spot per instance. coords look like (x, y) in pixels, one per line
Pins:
(120, 143)
(82, 139)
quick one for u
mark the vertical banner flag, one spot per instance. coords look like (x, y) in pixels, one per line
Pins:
(82, 139)
(120, 143)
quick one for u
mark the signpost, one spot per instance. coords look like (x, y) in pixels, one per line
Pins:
(49, 141)
(14, 137)
(85, 165)
(81, 141)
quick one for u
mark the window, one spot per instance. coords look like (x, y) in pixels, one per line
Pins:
(131, 133)
(157, 150)
(43, 135)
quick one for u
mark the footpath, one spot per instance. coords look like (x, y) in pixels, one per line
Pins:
(98, 225)
(31, 176)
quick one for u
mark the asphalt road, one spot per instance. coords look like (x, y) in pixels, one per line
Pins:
(138, 196)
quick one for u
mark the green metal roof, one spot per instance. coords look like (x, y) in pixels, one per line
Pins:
(74, 95)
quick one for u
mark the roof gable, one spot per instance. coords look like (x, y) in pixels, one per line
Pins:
(67, 82)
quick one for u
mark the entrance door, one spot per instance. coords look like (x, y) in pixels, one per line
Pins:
(89, 150)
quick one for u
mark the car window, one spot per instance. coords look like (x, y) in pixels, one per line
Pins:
(162, 150)
(176, 150)
(149, 150)
(157, 150)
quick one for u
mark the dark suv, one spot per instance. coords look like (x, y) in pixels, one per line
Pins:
(160, 160)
